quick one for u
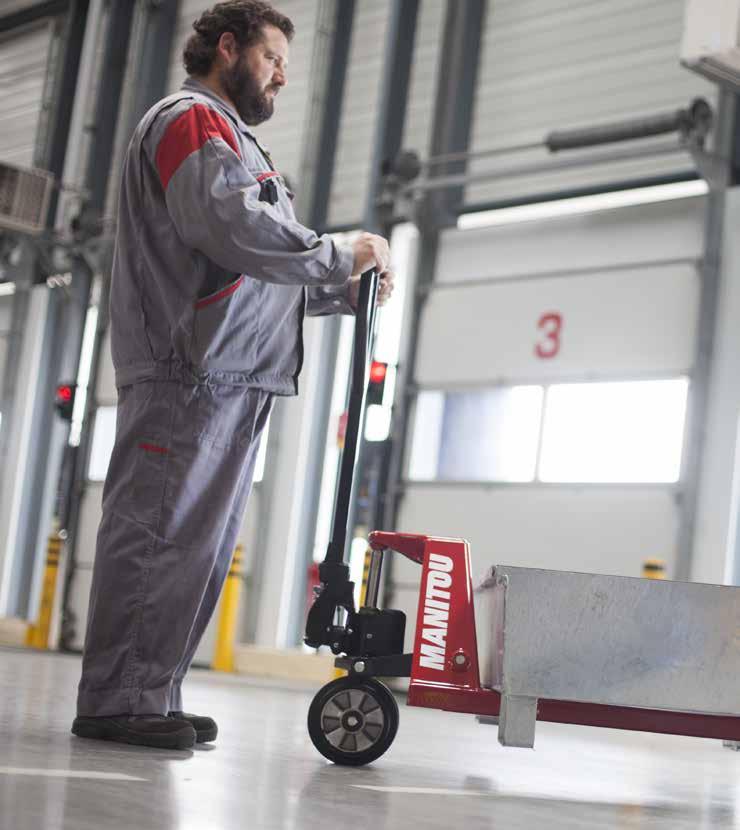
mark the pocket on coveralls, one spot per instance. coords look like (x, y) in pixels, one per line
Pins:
(225, 327)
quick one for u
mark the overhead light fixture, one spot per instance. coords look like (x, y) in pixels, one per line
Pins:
(583, 204)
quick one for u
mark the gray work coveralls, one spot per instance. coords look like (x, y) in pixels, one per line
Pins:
(212, 275)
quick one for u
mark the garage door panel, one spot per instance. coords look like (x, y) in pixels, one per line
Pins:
(645, 233)
(625, 323)
(591, 529)
(23, 61)
(573, 64)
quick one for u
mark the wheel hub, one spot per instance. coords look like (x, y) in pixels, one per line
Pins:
(352, 720)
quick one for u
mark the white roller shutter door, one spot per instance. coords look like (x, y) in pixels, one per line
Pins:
(561, 64)
(23, 61)
(626, 284)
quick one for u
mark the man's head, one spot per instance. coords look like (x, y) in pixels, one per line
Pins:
(241, 48)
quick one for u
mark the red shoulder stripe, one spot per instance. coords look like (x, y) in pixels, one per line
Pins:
(188, 133)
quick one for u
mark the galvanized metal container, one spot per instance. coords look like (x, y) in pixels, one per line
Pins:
(606, 639)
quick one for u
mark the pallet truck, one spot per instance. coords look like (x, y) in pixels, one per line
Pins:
(589, 649)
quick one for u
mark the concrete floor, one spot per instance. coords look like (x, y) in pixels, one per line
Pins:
(443, 771)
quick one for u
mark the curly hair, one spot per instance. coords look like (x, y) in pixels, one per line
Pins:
(245, 19)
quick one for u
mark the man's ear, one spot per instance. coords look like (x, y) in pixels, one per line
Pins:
(228, 48)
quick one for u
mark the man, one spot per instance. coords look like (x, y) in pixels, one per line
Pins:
(212, 275)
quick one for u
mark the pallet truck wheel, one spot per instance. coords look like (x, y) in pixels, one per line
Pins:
(353, 722)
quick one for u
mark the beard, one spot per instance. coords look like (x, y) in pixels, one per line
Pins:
(250, 101)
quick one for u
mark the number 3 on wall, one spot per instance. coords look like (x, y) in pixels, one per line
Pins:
(551, 326)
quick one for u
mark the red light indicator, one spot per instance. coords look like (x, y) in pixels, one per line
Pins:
(64, 399)
(378, 371)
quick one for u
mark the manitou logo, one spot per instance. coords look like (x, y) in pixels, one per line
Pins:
(436, 612)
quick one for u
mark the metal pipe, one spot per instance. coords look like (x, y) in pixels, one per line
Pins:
(697, 413)
(442, 182)
(482, 154)
(389, 121)
(373, 579)
(319, 161)
(698, 116)
(683, 121)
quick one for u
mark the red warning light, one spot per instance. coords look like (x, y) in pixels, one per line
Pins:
(378, 371)
(64, 399)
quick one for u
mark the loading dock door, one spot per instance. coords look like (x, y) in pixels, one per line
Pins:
(600, 310)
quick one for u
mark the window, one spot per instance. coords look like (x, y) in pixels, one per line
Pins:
(614, 432)
(590, 433)
(482, 435)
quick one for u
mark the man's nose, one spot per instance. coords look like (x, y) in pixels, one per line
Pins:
(279, 78)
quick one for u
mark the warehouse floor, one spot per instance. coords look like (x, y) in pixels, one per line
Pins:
(443, 770)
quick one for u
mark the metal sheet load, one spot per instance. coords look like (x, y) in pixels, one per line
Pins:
(608, 640)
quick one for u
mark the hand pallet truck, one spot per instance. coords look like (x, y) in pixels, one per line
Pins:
(588, 649)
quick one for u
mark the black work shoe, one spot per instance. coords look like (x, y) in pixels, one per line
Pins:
(205, 728)
(143, 730)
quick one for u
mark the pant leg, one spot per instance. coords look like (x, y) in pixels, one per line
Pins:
(176, 471)
(223, 560)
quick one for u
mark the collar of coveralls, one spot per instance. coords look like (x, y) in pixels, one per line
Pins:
(193, 84)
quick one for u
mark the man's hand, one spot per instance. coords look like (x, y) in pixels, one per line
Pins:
(385, 288)
(371, 251)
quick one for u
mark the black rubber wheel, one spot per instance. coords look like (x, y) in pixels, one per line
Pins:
(352, 721)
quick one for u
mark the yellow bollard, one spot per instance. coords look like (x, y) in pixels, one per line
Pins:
(223, 659)
(37, 635)
(653, 569)
(365, 575)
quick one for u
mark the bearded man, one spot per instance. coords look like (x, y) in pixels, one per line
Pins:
(212, 276)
